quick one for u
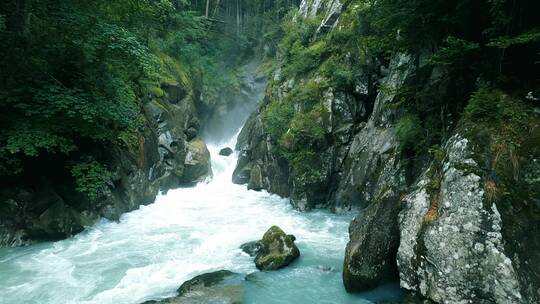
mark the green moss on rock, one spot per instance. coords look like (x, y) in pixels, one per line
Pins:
(278, 250)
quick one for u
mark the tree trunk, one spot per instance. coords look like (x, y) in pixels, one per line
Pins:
(237, 19)
(216, 9)
(207, 8)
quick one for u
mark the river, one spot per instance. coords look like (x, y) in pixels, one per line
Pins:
(149, 252)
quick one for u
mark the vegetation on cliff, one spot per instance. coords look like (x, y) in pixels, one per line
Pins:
(475, 45)
(75, 75)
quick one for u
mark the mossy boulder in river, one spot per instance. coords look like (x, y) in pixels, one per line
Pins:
(278, 250)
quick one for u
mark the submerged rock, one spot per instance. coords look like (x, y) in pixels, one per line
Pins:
(278, 250)
(251, 248)
(226, 151)
(325, 268)
(223, 287)
(205, 280)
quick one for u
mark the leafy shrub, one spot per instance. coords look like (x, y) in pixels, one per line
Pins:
(306, 165)
(307, 94)
(307, 130)
(494, 107)
(484, 104)
(302, 59)
(340, 71)
(91, 178)
(277, 116)
(300, 55)
(409, 130)
(297, 31)
(304, 141)
(504, 42)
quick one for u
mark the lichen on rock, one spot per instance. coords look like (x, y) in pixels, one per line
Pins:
(278, 250)
(460, 256)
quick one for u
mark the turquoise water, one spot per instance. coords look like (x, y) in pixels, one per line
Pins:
(151, 251)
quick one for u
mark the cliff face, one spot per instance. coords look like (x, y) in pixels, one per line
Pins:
(358, 158)
(167, 153)
(458, 225)
(461, 245)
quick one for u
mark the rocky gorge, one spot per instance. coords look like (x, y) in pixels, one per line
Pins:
(399, 141)
(450, 226)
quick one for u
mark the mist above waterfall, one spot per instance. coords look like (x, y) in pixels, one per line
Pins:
(231, 115)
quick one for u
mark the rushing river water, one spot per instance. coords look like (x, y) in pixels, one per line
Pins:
(151, 251)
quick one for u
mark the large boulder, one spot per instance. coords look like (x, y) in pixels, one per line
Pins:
(278, 250)
(223, 287)
(197, 162)
(370, 257)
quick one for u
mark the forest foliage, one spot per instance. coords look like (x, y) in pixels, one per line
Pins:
(74, 75)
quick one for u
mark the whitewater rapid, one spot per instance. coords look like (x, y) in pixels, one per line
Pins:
(149, 252)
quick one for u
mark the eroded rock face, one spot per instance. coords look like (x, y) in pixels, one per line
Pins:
(223, 287)
(373, 162)
(278, 250)
(456, 245)
(458, 256)
(261, 167)
(311, 8)
(257, 165)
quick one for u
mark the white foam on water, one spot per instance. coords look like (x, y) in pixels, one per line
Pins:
(152, 250)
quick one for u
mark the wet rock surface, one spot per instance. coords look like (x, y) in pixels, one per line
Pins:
(197, 162)
(226, 151)
(252, 248)
(473, 240)
(219, 287)
(277, 250)
(257, 165)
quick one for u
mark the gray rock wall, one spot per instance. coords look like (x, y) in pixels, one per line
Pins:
(459, 257)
